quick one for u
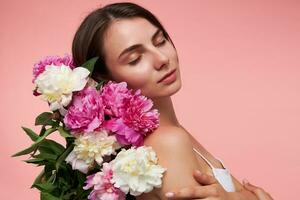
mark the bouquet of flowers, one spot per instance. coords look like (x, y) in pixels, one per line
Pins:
(103, 123)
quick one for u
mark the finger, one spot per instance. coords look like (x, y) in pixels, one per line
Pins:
(196, 192)
(179, 196)
(259, 192)
(204, 179)
(248, 186)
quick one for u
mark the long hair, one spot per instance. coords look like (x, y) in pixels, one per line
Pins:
(88, 39)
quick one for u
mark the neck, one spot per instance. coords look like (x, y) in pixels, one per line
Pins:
(167, 116)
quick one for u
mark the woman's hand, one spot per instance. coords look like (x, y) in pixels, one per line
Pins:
(210, 188)
(259, 192)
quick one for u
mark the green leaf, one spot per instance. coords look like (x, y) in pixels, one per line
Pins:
(69, 195)
(90, 64)
(43, 130)
(63, 156)
(47, 132)
(35, 160)
(33, 136)
(44, 119)
(26, 151)
(80, 176)
(47, 187)
(50, 146)
(39, 178)
(47, 196)
(64, 133)
(100, 84)
(46, 156)
(49, 170)
(43, 148)
(82, 194)
(52, 177)
(34, 146)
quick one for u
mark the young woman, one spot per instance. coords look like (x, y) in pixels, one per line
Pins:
(134, 47)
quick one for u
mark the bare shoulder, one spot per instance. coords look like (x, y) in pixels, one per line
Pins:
(174, 151)
(168, 136)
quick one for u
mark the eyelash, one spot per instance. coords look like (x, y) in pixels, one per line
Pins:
(137, 60)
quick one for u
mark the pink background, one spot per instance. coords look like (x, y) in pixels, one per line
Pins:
(240, 64)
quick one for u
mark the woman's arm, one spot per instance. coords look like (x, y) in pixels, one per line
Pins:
(204, 179)
(174, 151)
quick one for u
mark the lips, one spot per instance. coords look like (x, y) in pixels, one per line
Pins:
(165, 76)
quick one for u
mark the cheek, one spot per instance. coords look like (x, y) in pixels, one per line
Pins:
(138, 80)
(137, 77)
(173, 54)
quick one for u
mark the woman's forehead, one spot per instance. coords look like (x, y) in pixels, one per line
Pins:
(127, 32)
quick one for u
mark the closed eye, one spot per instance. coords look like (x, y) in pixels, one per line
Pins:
(162, 42)
(135, 61)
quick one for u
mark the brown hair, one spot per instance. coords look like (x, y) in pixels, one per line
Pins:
(88, 39)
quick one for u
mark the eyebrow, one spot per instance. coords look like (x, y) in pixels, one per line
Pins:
(133, 47)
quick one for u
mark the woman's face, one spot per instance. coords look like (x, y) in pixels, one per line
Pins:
(137, 52)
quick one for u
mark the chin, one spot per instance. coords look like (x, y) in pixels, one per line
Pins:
(176, 87)
(159, 91)
(171, 89)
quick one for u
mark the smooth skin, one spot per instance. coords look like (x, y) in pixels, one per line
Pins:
(173, 148)
(258, 191)
(200, 192)
(138, 53)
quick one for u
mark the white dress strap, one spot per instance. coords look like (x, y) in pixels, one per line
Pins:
(208, 160)
(204, 158)
(221, 162)
(222, 175)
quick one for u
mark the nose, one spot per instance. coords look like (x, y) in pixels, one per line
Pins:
(160, 59)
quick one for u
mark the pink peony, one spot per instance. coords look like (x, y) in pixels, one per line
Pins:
(103, 188)
(137, 114)
(136, 120)
(124, 134)
(113, 95)
(86, 112)
(55, 60)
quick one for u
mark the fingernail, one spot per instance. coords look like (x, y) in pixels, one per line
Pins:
(169, 194)
(245, 181)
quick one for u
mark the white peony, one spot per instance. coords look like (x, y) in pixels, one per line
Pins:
(136, 170)
(92, 147)
(57, 83)
(77, 163)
